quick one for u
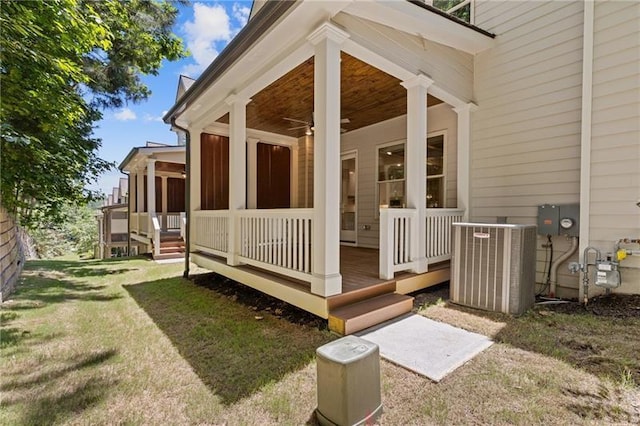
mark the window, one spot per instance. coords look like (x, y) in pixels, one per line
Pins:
(435, 171)
(391, 186)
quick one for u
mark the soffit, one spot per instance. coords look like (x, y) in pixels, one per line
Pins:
(367, 96)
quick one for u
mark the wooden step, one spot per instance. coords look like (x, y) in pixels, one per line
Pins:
(177, 243)
(166, 250)
(355, 317)
(354, 296)
(164, 256)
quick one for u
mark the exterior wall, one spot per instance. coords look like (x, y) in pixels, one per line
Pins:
(615, 132)
(11, 258)
(305, 172)
(365, 142)
(451, 69)
(525, 148)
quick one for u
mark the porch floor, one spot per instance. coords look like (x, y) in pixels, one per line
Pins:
(358, 267)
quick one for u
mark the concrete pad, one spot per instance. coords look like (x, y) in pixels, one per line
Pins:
(430, 348)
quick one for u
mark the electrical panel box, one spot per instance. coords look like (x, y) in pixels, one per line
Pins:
(562, 219)
(548, 216)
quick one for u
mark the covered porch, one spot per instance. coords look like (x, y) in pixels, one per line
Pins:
(328, 97)
(157, 216)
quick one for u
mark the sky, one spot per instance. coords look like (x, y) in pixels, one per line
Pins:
(205, 28)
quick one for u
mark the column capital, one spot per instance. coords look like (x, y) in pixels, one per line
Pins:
(469, 107)
(233, 99)
(151, 161)
(328, 31)
(418, 80)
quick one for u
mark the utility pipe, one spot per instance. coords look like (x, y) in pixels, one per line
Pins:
(187, 195)
(556, 264)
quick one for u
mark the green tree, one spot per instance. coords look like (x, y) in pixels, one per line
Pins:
(61, 63)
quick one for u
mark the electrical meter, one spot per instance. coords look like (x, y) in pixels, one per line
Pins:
(566, 223)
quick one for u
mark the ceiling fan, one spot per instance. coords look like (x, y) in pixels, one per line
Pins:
(308, 125)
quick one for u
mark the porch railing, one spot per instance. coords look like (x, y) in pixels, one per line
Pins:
(439, 233)
(278, 240)
(143, 223)
(211, 231)
(133, 220)
(398, 242)
(172, 221)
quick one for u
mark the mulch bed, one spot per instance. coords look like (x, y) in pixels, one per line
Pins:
(257, 301)
(613, 305)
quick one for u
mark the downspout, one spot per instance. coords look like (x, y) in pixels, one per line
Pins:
(187, 195)
(554, 268)
(585, 132)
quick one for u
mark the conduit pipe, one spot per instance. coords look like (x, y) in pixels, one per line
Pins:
(556, 264)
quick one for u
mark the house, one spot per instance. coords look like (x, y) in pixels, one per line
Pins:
(331, 145)
(112, 218)
(156, 208)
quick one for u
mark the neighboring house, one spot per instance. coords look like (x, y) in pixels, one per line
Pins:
(156, 205)
(112, 218)
(334, 143)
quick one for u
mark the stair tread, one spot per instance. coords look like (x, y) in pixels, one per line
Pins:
(367, 306)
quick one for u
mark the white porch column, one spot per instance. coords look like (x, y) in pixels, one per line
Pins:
(140, 191)
(163, 224)
(237, 171)
(252, 171)
(325, 235)
(151, 188)
(416, 162)
(464, 156)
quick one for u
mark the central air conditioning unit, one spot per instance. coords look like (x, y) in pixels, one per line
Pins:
(493, 266)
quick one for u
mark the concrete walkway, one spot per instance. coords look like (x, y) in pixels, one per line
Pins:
(430, 348)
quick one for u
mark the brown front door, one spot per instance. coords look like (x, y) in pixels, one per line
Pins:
(273, 176)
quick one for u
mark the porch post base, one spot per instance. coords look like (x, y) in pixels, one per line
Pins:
(326, 285)
(420, 266)
(232, 260)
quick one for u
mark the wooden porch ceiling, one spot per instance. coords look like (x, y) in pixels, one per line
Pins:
(164, 166)
(367, 96)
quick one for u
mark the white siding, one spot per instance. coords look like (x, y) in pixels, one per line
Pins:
(615, 127)
(525, 148)
(451, 69)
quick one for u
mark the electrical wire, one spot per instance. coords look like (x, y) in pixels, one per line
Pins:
(548, 261)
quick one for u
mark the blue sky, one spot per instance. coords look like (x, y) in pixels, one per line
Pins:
(205, 28)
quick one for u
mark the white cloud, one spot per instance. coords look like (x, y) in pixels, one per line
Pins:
(241, 13)
(125, 114)
(210, 24)
(149, 117)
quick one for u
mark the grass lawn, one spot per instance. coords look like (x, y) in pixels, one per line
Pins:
(130, 341)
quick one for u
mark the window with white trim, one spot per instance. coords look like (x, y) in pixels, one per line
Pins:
(391, 176)
(436, 171)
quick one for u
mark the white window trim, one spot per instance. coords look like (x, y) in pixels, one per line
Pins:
(376, 182)
(445, 150)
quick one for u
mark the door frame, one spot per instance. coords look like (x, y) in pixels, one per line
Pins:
(346, 155)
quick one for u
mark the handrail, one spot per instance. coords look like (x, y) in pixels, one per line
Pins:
(155, 223)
